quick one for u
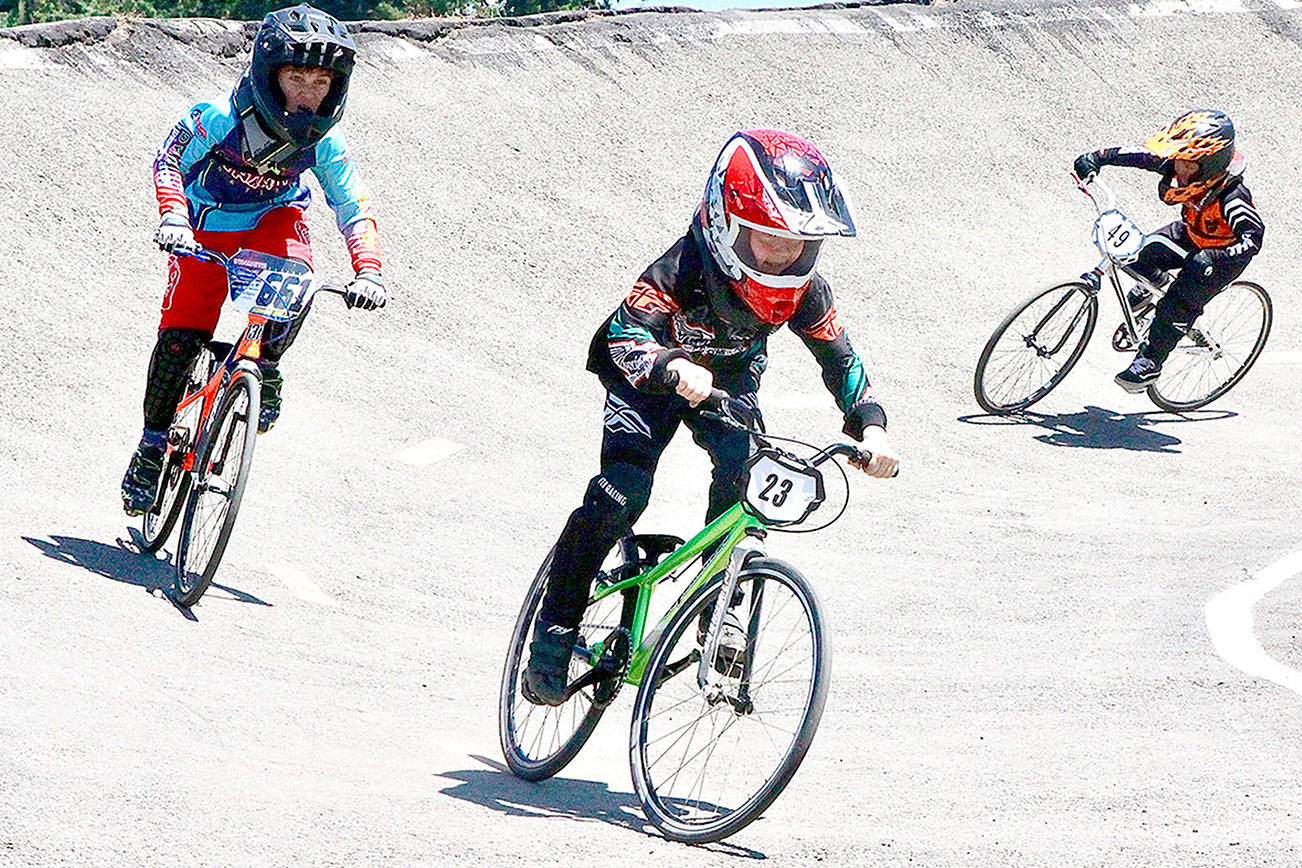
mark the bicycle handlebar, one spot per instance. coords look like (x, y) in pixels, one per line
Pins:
(719, 404)
(207, 254)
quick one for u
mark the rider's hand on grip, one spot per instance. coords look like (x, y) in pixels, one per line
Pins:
(695, 383)
(884, 461)
(366, 291)
(1086, 166)
(174, 233)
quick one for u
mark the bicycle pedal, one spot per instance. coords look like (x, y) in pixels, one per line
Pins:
(1121, 341)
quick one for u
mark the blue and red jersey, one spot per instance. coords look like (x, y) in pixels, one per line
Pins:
(201, 170)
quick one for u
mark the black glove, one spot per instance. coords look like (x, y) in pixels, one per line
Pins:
(861, 415)
(745, 408)
(1087, 165)
(366, 291)
(1200, 263)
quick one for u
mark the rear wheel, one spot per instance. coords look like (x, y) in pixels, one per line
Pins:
(1218, 350)
(222, 463)
(709, 759)
(174, 482)
(1034, 347)
(540, 740)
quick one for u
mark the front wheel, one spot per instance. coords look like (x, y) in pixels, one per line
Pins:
(1034, 347)
(540, 740)
(710, 758)
(222, 463)
(1217, 351)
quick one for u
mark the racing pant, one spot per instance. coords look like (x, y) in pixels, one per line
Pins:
(193, 302)
(1166, 250)
(638, 427)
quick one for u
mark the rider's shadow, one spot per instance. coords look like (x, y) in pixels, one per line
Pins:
(1097, 428)
(124, 562)
(495, 787)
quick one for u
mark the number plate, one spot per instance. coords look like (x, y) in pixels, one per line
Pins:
(269, 286)
(780, 491)
(1117, 236)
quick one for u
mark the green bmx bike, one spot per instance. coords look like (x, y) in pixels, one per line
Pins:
(718, 729)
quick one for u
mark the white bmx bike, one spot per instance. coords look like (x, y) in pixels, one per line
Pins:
(1038, 343)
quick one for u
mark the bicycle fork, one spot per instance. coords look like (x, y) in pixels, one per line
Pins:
(710, 683)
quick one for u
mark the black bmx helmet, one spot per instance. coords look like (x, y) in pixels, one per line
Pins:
(301, 36)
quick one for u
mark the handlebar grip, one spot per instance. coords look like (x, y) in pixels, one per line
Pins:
(717, 400)
(861, 457)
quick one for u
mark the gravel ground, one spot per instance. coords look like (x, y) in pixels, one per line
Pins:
(1023, 670)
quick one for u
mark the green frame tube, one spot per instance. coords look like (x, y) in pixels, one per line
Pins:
(731, 527)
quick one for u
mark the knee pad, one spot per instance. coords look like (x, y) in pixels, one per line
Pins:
(279, 336)
(173, 355)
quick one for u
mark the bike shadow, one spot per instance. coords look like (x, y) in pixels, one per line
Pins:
(495, 787)
(1099, 428)
(127, 562)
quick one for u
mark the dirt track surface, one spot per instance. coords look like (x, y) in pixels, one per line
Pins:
(1023, 672)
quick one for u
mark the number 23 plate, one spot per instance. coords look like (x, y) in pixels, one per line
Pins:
(780, 491)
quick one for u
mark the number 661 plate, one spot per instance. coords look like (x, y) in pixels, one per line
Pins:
(782, 491)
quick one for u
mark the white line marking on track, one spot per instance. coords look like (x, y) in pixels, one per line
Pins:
(1229, 621)
(300, 585)
(425, 454)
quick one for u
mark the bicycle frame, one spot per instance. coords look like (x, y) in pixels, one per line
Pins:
(1109, 265)
(241, 356)
(731, 527)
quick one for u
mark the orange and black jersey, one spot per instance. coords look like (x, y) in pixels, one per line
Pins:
(1224, 223)
(684, 307)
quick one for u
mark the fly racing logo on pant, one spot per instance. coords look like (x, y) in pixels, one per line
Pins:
(623, 419)
(615, 494)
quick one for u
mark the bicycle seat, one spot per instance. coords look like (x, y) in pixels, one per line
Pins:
(654, 546)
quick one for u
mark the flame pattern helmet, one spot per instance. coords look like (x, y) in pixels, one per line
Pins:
(1205, 136)
(300, 36)
(773, 182)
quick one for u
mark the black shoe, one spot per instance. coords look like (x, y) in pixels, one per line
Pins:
(1142, 373)
(548, 671)
(140, 484)
(1138, 298)
(732, 639)
(269, 411)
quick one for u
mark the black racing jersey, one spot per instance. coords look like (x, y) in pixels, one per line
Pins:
(1224, 223)
(684, 307)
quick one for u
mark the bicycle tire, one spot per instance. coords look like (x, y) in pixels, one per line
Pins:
(669, 811)
(174, 482)
(1031, 383)
(578, 716)
(195, 568)
(1162, 393)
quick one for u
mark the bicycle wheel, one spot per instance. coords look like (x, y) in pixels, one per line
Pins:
(540, 740)
(1034, 347)
(708, 761)
(222, 464)
(1217, 351)
(174, 483)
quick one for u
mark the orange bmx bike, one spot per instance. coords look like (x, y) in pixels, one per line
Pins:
(210, 443)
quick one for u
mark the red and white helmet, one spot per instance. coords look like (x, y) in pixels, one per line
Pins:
(777, 183)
